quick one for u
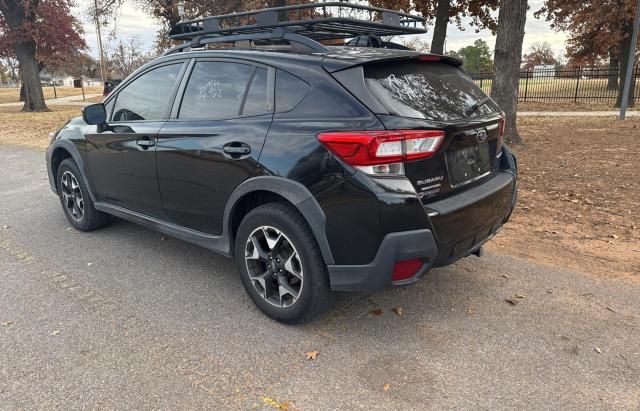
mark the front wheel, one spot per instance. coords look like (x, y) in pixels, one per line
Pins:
(280, 264)
(76, 201)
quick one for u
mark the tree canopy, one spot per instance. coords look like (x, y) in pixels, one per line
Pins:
(538, 54)
(445, 11)
(477, 57)
(55, 31)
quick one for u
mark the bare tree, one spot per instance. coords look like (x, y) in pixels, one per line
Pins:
(127, 57)
(508, 57)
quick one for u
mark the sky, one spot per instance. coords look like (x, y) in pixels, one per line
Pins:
(133, 23)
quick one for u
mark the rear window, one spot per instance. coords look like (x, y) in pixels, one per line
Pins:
(432, 91)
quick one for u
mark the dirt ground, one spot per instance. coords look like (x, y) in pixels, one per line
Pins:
(578, 207)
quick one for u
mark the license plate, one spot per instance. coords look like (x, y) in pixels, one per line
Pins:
(468, 163)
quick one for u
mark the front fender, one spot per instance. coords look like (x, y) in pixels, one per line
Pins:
(72, 149)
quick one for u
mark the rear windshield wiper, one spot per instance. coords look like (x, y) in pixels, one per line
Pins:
(476, 106)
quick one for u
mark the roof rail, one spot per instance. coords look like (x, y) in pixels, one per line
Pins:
(304, 24)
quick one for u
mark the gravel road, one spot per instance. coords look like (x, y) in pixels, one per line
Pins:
(126, 318)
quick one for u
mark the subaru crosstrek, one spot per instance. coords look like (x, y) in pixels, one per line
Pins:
(356, 169)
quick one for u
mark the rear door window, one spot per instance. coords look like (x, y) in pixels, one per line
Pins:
(215, 91)
(431, 91)
(257, 101)
(290, 91)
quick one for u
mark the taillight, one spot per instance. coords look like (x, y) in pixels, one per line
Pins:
(382, 152)
(502, 127)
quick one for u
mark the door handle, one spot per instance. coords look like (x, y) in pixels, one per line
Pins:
(236, 149)
(145, 142)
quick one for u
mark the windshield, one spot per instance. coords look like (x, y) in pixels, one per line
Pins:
(432, 91)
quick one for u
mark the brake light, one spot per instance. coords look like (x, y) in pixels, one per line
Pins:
(371, 150)
(429, 58)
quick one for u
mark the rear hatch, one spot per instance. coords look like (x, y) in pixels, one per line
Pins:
(427, 92)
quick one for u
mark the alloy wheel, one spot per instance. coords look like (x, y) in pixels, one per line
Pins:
(274, 266)
(72, 196)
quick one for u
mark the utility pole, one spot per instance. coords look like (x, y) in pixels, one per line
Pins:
(103, 69)
(630, 64)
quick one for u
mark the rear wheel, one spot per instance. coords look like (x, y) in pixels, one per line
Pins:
(280, 264)
(76, 201)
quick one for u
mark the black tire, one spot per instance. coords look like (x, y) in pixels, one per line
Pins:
(89, 219)
(314, 295)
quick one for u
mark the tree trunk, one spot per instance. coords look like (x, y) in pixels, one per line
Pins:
(34, 97)
(623, 57)
(440, 29)
(612, 84)
(508, 57)
(23, 91)
(18, 14)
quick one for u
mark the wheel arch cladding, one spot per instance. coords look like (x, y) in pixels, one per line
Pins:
(58, 155)
(66, 149)
(264, 189)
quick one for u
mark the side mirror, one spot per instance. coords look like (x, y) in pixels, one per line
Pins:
(95, 114)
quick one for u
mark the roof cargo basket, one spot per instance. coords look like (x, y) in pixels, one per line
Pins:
(305, 25)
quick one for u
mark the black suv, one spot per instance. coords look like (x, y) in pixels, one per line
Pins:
(340, 168)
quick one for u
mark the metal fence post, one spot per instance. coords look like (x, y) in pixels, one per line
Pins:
(526, 85)
(575, 99)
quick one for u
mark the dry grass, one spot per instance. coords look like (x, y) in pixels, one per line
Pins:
(32, 129)
(568, 106)
(12, 94)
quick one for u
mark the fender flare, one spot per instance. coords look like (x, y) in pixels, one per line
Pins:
(297, 194)
(71, 148)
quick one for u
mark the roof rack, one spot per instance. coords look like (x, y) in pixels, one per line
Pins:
(302, 25)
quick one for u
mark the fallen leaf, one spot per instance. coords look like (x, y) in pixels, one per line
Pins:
(311, 355)
(512, 302)
(386, 387)
(377, 311)
(275, 404)
(549, 291)
(7, 323)
(505, 276)
(398, 310)
(519, 296)
(598, 350)
(469, 311)
(55, 332)
(615, 237)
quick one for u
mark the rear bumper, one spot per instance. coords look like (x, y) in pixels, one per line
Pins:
(376, 275)
(460, 225)
(464, 222)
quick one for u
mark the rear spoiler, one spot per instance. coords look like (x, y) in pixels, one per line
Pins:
(340, 61)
